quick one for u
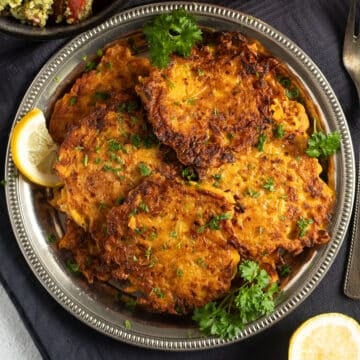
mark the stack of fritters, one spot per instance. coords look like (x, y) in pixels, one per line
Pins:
(172, 176)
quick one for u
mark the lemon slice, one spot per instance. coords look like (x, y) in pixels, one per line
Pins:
(33, 150)
(326, 337)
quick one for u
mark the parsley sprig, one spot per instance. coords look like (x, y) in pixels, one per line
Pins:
(323, 145)
(174, 32)
(254, 298)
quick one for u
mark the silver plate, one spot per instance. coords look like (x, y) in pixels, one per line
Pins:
(32, 219)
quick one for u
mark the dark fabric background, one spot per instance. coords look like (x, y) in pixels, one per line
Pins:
(317, 26)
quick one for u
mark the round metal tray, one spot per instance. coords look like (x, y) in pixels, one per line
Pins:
(32, 219)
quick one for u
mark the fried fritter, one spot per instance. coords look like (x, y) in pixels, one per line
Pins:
(214, 103)
(107, 155)
(86, 255)
(117, 71)
(172, 243)
(281, 202)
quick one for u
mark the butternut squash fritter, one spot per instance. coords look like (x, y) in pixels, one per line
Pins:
(103, 158)
(214, 103)
(274, 192)
(171, 242)
(85, 253)
(117, 71)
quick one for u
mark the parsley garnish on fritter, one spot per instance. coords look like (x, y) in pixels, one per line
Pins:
(242, 305)
(321, 144)
(174, 32)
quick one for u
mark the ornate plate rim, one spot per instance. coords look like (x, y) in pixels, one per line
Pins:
(344, 161)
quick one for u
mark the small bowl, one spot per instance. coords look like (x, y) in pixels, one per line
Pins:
(101, 12)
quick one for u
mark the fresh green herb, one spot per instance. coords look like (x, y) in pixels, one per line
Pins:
(179, 273)
(144, 170)
(130, 303)
(90, 65)
(86, 160)
(303, 224)
(252, 193)
(214, 223)
(254, 298)
(153, 235)
(143, 207)
(269, 184)
(51, 238)
(189, 174)
(230, 136)
(101, 96)
(322, 145)
(99, 53)
(136, 140)
(133, 212)
(174, 32)
(148, 253)
(284, 81)
(200, 261)
(158, 292)
(279, 131)
(73, 100)
(72, 266)
(261, 142)
(284, 270)
(191, 100)
(291, 91)
(127, 324)
(173, 234)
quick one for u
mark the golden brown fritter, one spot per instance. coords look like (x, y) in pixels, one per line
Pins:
(85, 253)
(281, 202)
(214, 103)
(172, 243)
(107, 155)
(117, 71)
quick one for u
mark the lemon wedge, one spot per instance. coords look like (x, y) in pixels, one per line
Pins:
(33, 150)
(326, 337)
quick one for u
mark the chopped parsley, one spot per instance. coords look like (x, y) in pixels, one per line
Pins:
(189, 174)
(214, 223)
(144, 170)
(279, 131)
(158, 292)
(73, 266)
(269, 184)
(261, 142)
(73, 100)
(303, 224)
(51, 238)
(127, 324)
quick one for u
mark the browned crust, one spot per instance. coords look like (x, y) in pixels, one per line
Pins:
(157, 247)
(212, 104)
(116, 72)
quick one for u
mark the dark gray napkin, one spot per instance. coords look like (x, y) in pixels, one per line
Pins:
(318, 28)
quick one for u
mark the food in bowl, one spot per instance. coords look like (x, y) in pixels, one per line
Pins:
(179, 224)
(41, 13)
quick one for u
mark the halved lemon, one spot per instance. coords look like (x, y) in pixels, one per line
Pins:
(33, 150)
(326, 337)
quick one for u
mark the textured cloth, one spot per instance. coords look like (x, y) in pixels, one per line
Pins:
(317, 26)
